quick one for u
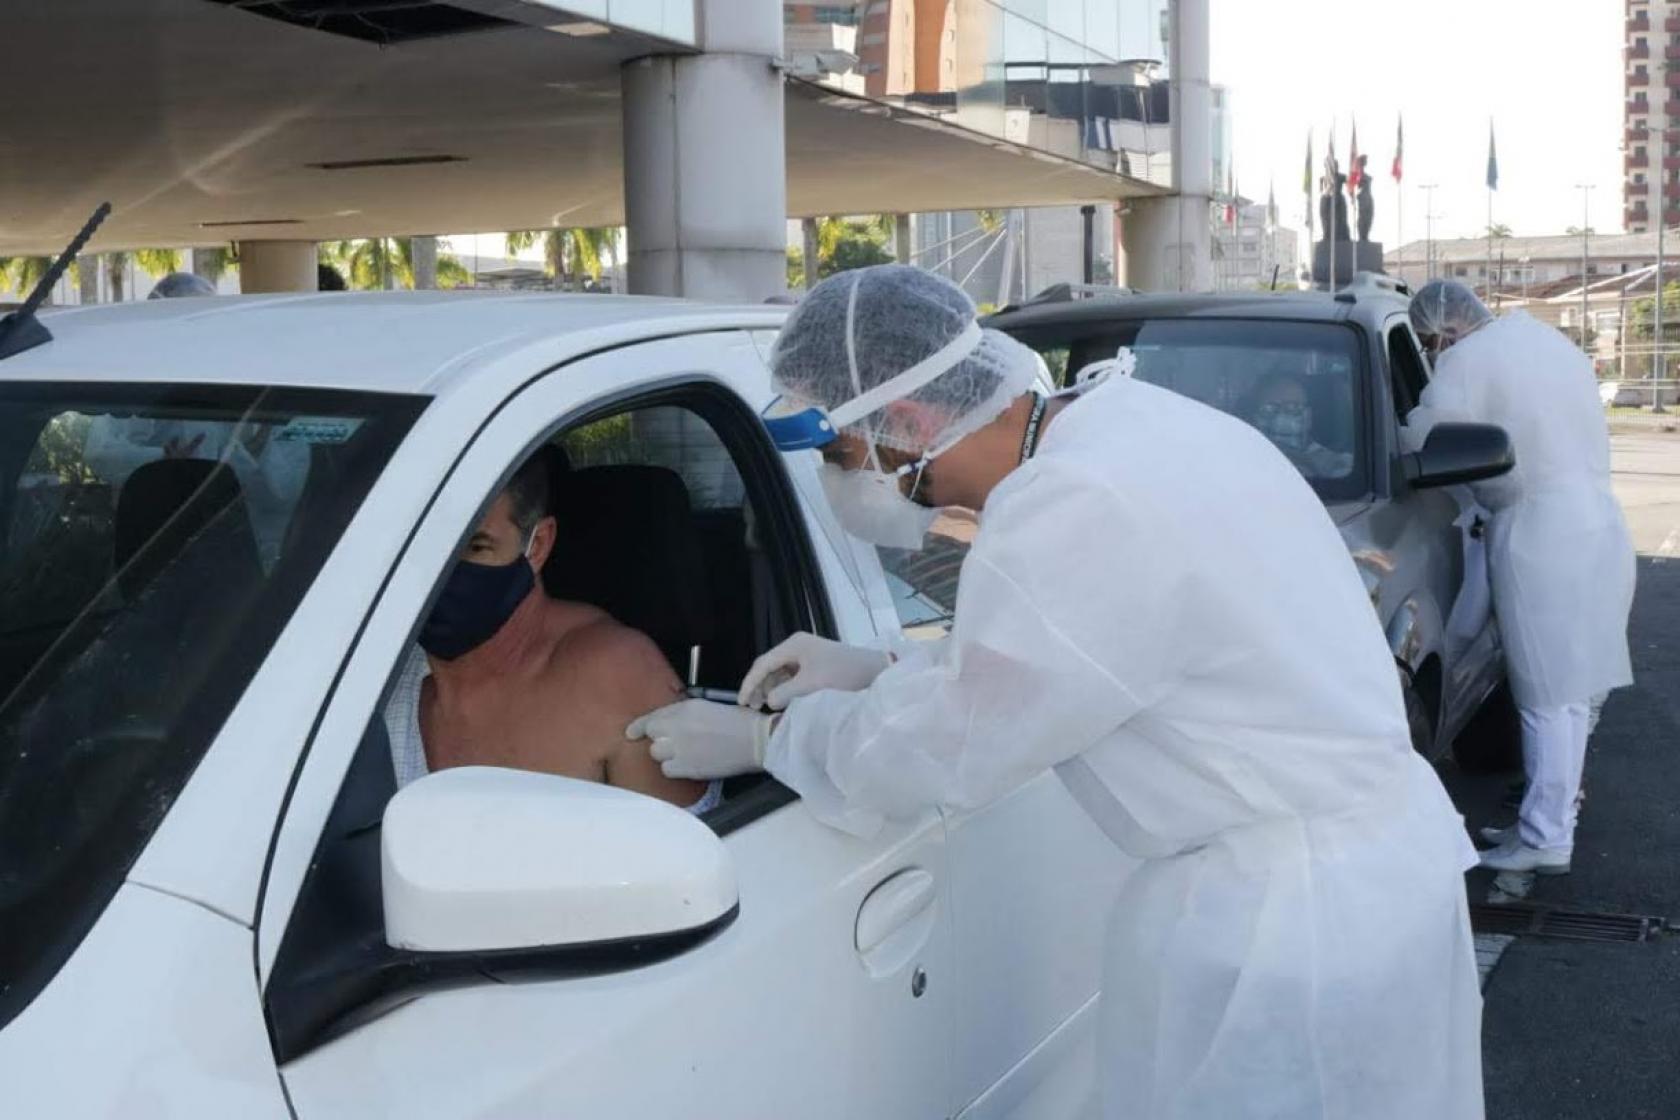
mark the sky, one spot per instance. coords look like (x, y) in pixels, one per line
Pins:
(1549, 73)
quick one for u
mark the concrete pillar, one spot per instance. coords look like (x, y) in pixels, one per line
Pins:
(1169, 243)
(705, 165)
(423, 259)
(277, 266)
(902, 239)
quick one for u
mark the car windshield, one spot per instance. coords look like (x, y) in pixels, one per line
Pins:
(154, 541)
(1294, 381)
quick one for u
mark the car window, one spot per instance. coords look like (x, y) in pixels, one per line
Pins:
(667, 436)
(1407, 372)
(655, 527)
(153, 542)
(1300, 383)
(923, 581)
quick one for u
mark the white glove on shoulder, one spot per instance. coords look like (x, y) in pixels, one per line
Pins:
(804, 664)
(701, 739)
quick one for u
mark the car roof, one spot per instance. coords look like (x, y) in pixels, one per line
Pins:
(398, 342)
(1365, 308)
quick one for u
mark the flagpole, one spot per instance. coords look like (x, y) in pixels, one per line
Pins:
(1400, 196)
(1335, 196)
(1306, 189)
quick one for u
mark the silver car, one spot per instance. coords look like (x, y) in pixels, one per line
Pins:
(1329, 379)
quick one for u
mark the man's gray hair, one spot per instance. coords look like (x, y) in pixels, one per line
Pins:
(528, 492)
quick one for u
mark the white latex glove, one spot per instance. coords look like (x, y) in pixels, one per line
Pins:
(805, 664)
(702, 739)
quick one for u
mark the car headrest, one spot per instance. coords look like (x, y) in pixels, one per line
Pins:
(167, 503)
(627, 543)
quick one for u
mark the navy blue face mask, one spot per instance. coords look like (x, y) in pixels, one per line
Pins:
(476, 601)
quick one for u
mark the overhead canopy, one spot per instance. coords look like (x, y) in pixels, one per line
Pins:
(203, 123)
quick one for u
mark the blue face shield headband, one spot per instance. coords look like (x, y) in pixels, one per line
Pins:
(817, 427)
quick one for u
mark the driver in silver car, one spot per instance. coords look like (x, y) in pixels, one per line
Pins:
(1280, 408)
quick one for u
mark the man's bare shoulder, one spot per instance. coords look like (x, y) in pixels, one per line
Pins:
(598, 647)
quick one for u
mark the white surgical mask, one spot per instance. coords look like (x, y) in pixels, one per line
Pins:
(872, 508)
(1288, 426)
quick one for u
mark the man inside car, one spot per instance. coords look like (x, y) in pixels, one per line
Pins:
(506, 676)
(1281, 409)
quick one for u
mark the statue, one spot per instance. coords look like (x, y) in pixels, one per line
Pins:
(1332, 208)
(1366, 206)
(1337, 257)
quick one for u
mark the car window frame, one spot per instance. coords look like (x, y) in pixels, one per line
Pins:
(1400, 325)
(388, 975)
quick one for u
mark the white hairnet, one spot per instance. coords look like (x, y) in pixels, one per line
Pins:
(1447, 311)
(178, 284)
(857, 331)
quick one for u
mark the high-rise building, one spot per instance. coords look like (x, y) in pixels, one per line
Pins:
(1255, 251)
(1648, 160)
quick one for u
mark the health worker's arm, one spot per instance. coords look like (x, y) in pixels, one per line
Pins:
(1064, 629)
(1445, 399)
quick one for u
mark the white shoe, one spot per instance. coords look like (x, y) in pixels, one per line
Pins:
(1517, 856)
(1499, 837)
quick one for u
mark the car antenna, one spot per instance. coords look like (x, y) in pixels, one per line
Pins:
(21, 330)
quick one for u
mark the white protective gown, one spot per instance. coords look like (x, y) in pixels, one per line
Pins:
(1561, 561)
(1158, 606)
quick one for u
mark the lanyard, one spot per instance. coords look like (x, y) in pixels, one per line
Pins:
(1035, 425)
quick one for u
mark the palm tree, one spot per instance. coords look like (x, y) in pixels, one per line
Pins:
(570, 252)
(213, 263)
(387, 262)
(19, 275)
(86, 269)
(153, 262)
(845, 243)
(158, 262)
(1498, 232)
(116, 270)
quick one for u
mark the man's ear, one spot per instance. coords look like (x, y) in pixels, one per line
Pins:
(919, 423)
(542, 543)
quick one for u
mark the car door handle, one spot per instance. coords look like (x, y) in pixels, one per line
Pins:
(896, 920)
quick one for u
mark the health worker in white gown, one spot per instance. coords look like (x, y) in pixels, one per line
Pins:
(1560, 560)
(1157, 606)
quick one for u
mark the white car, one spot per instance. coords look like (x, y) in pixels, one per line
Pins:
(222, 522)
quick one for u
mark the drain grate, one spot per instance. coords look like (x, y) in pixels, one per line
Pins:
(1530, 920)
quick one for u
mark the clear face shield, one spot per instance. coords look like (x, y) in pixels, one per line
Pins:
(870, 500)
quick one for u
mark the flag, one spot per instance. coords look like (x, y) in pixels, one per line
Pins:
(1306, 174)
(1354, 172)
(1271, 206)
(1399, 147)
(1231, 197)
(1493, 162)
(1331, 168)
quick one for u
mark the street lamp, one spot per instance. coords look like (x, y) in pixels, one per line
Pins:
(1429, 190)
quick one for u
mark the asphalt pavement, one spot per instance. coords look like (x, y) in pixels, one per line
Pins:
(1576, 1029)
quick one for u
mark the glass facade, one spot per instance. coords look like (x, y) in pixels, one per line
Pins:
(668, 19)
(1084, 79)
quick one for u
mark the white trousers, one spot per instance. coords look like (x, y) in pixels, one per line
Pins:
(1554, 742)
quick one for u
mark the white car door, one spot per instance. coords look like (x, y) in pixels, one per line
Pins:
(1032, 883)
(830, 995)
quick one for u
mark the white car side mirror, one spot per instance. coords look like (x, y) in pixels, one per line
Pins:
(478, 859)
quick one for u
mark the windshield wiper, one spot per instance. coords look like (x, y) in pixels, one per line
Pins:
(21, 330)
